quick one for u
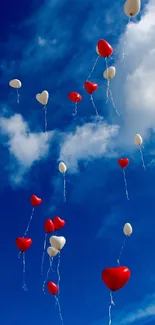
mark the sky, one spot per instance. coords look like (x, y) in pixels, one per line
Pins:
(51, 45)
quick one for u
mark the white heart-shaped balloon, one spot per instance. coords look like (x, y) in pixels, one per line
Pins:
(43, 97)
(62, 167)
(57, 242)
(15, 83)
(127, 229)
(51, 251)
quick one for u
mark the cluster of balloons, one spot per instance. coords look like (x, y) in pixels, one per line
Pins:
(116, 277)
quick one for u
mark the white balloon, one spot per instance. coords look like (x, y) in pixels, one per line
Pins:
(97, 51)
(132, 8)
(43, 97)
(15, 83)
(138, 140)
(62, 167)
(127, 229)
(51, 251)
(57, 242)
(109, 73)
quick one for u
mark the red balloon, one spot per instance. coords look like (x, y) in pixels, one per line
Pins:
(35, 200)
(49, 226)
(104, 48)
(52, 288)
(90, 86)
(123, 162)
(23, 243)
(116, 277)
(58, 223)
(75, 97)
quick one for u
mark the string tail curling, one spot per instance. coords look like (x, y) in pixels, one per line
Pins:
(110, 306)
(93, 68)
(43, 256)
(92, 100)
(59, 307)
(24, 273)
(121, 251)
(28, 226)
(125, 183)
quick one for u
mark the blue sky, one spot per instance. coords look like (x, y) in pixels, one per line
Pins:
(51, 45)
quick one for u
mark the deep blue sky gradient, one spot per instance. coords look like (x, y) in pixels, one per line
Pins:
(96, 207)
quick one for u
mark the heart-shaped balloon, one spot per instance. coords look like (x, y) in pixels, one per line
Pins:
(75, 97)
(49, 226)
(57, 242)
(23, 243)
(51, 251)
(43, 97)
(104, 48)
(52, 288)
(35, 200)
(123, 162)
(90, 86)
(58, 223)
(116, 277)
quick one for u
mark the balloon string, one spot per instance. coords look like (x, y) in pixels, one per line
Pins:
(92, 100)
(75, 110)
(45, 108)
(28, 226)
(121, 251)
(109, 92)
(125, 39)
(50, 268)
(58, 270)
(18, 96)
(43, 256)
(126, 187)
(60, 314)
(24, 265)
(93, 68)
(111, 304)
(64, 187)
(142, 158)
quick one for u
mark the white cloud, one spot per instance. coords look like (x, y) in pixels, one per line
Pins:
(146, 309)
(136, 75)
(25, 147)
(89, 141)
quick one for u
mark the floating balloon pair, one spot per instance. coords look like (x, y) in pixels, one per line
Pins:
(24, 243)
(116, 277)
(50, 226)
(104, 49)
(57, 244)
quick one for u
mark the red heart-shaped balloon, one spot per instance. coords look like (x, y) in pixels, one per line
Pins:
(35, 200)
(23, 243)
(52, 288)
(49, 226)
(75, 97)
(123, 162)
(58, 223)
(104, 48)
(90, 86)
(116, 277)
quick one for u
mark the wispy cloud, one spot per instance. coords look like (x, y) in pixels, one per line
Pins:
(25, 148)
(87, 142)
(140, 312)
(135, 75)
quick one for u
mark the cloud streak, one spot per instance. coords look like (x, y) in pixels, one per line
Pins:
(25, 148)
(87, 142)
